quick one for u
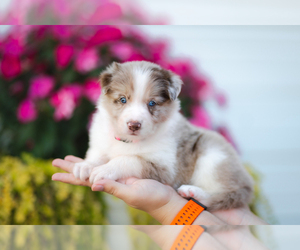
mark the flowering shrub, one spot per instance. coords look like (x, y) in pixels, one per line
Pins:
(75, 12)
(34, 199)
(49, 83)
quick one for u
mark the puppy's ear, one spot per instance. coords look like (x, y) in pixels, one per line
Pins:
(175, 86)
(106, 76)
(170, 82)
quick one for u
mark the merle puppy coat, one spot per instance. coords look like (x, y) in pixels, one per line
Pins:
(138, 131)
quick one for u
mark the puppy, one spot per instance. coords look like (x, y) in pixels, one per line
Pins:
(138, 131)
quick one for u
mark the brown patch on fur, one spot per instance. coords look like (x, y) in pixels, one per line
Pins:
(105, 79)
(188, 151)
(120, 85)
(160, 83)
(152, 171)
(234, 199)
(231, 174)
(196, 143)
(236, 182)
(157, 90)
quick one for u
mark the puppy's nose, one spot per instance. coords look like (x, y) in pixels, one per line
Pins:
(133, 126)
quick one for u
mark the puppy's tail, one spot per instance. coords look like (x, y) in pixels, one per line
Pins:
(233, 199)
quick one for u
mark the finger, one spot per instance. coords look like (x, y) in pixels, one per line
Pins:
(114, 188)
(73, 158)
(128, 181)
(69, 178)
(64, 165)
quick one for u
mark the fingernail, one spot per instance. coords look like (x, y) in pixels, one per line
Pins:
(98, 188)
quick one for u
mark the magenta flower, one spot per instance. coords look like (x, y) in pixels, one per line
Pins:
(12, 46)
(61, 31)
(87, 60)
(40, 87)
(122, 50)
(105, 12)
(65, 100)
(181, 67)
(75, 89)
(92, 90)
(10, 66)
(206, 90)
(63, 55)
(105, 34)
(200, 117)
(26, 111)
(221, 99)
(159, 49)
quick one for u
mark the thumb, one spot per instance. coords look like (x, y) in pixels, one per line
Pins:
(112, 187)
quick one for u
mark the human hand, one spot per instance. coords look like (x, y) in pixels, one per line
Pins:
(161, 201)
(142, 194)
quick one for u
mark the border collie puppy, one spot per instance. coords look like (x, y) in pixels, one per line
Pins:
(138, 131)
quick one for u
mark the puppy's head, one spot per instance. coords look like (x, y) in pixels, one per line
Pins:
(139, 97)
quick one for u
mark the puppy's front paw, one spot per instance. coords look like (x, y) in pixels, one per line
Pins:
(103, 172)
(190, 191)
(82, 170)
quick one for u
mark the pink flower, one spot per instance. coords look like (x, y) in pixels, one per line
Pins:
(92, 90)
(159, 49)
(62, 9)
(122, 50)
(200, 117)
(137, 57)
(12, 46)
(105, 34)
(40, 87)
(221, 99)
(105, 12)
(181, 67)
(61, 31)
(26, 111)
(87, 60)
(65, 100)
(206, 90)
(63, 55)
(10, 66)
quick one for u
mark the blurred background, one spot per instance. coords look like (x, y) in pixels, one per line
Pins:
(242, 81)
(176, 12)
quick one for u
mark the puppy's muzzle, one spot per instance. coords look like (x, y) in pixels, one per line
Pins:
(134, 126)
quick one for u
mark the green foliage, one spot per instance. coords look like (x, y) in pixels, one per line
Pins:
(141, 218)
(52, 237)
(260, 205)
(29, 196)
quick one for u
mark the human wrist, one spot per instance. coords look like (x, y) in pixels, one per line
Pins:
(166, 213)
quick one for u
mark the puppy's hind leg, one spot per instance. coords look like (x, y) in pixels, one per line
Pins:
(190, 191)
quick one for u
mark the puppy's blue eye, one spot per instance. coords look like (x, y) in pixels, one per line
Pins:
(152, 103)
(123, 100)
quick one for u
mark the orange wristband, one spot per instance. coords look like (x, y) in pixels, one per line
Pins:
(189, 213)
(187, 237)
